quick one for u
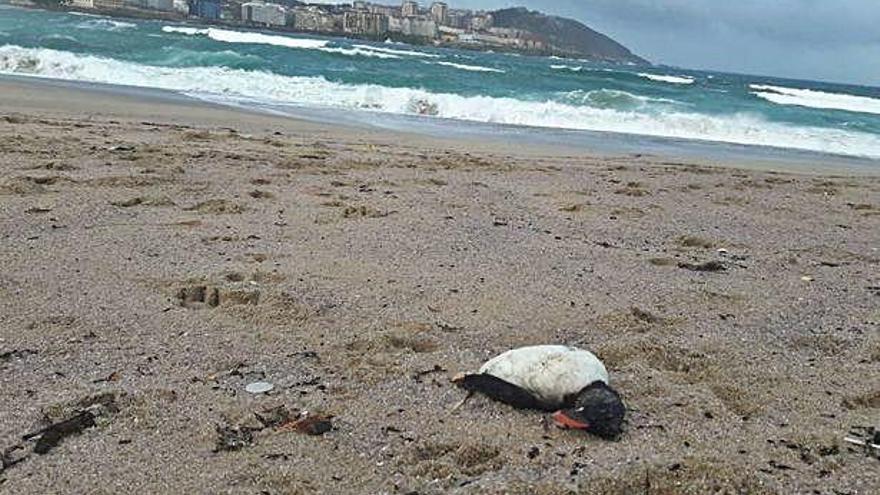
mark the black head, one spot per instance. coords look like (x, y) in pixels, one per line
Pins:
(597, 409)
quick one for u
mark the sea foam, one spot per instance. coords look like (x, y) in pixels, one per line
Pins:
(667, 79)
(395, 51)
(576, 68)
(598, 112)
(247, 37)
(472, 68)
(816, 99)
(191, 31)
(105, 24)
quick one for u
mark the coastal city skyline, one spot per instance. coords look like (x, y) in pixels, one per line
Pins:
(437, 23)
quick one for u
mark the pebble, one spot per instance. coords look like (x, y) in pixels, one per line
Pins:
(259, 387)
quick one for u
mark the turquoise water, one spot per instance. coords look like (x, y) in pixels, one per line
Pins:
(245, 67)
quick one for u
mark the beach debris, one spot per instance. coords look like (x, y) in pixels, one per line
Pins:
(259, 387)
(112, 377)
(128, 203)
(12, 456)
(309, 424)
(121, 148)
(779, 466)
(722, 251)
(304, 422)
(807, 278)
(233, 438)
(54, 434)
(533, 452)
(93, 408)
(868, 438)
(37, 210)
(709, 266)
(831, 264)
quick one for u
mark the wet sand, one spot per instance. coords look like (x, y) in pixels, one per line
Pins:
(158, 256)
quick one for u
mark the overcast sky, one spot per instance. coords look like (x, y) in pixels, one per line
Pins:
(832, 40)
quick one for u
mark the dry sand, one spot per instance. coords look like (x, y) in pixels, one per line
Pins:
(161, 255)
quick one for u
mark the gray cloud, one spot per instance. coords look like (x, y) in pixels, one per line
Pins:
(837, 40)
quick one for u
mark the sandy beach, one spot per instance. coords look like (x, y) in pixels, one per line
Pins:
(159, 255)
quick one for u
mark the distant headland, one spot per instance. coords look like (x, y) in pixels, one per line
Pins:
(517, 30)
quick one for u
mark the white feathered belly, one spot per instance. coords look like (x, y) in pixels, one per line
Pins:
(549, 372)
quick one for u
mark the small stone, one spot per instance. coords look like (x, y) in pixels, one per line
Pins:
(259, 387)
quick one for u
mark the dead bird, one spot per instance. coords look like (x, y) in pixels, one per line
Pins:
(570, 381)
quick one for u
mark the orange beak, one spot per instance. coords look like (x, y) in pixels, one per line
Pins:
(565, 422)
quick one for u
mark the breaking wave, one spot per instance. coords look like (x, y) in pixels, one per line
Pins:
(599, 111)
(59, 37)
(245, 37)
(105, 24)
(667, 79)
(183, 30)
(472, 68)
(567, 67)
(816, 99)
(357, 51)
(394, 51)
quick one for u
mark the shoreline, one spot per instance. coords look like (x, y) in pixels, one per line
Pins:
(22, 93)
(161, 254)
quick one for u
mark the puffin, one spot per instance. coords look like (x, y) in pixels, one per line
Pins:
(569, 382)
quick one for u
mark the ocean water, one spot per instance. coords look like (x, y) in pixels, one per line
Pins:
(430, 86)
